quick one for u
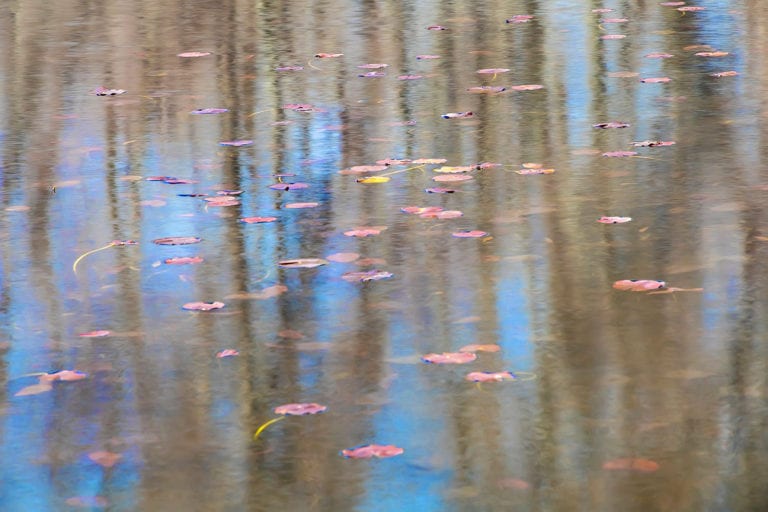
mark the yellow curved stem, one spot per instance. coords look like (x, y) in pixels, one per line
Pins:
(264, 427)
(74, 265)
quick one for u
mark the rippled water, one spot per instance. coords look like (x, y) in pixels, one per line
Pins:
(638, 401)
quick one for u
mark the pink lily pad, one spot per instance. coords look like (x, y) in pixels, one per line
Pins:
(613, 220)
(210, 111)
(202, 306)
(490, 347)
(609, 37)
(639, 285)
(527, 87)
(619, 154)
(236, 143)
(302, 263)
(177, 240)
(450, 358)
(492, 71)
(299, 206)
(489, 376)
(656, 80)
(612, 124)
(191, 55)
(469, 234)
(452, 178)
(183, 260)
(366, 276)
(94, 334)
(300, 409)
(258, 220)
(519, 18)
(288, 186)
(457, 115)
(343, 257)
(632, 464)
(418, 210)
(372, 450)
(447, 214)
(229, 352)
(363, 232)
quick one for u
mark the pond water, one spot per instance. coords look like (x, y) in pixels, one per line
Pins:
(622, 400)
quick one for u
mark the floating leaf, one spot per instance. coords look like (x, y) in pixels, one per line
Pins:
(619, 154)
(652, 143)
(288, 186)
(373, 179)
(35, 389)
(328, 55)
(65, 376)
(373, 74)
(183, 260)
(447, 214)
(487, 89)
(418, 210)
(448, 169)
(519, 18)
(303, 263)
(632, 464)
(452, 178)
(480, 348)
(639, 285)
(429, 161)
(691, 8)
(372, 450)
(267, 293)
(469, 234)
(94, 334)
(343, 257)
(101, 91)
(533, 171)
(210, 111)
(362, 169)
(711, 54)
(177, 240)
(722, 74)
(612, 124)
(258, 220)
(191, 55)
(614, 220)
(363, 232)
(373, 66)
(393, 161)
(457, 115)
(298, 206)
(436, 27)
(366, 276)
(659, 55)
(492, 71)
(527, 87)
(450, 358)
(490, 376)
(427, 57)
(439, 190)
(236, 143)
(609, 37)
(202, 306)
(104, 458)
(300, 409)
(229, 352)
(656, 80)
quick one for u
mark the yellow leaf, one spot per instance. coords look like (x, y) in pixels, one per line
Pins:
(373, 179)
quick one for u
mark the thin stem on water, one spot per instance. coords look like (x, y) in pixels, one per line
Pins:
(265, 425)
(80, 258)
(402, 170)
